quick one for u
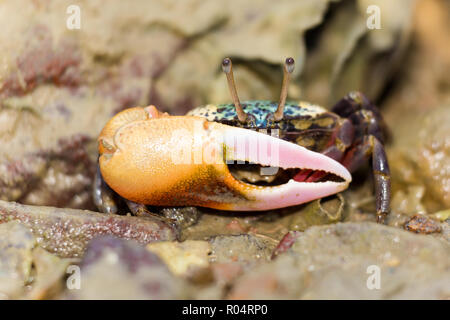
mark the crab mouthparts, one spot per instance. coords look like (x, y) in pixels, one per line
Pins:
(273, 173)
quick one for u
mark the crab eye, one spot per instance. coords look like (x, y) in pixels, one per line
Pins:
(226, 65)
(290, 64)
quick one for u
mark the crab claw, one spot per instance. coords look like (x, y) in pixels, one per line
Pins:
(163, 160)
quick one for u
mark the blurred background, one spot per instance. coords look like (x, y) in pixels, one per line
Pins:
(66, 67)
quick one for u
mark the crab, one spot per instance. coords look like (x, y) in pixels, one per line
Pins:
(241, 156)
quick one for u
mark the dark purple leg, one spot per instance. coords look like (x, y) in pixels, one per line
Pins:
(140, 210)
(353, 102)
(362, 113)
(103, 195)
(366, 123)
(341, 140)
(368, 143)
(356, 156)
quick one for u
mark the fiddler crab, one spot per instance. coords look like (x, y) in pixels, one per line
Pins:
(217, 157)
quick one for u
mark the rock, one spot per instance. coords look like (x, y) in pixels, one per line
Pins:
(339, 262)
(118, 269)
(422, 224)
(182, 258)
(66, 232)
(345, 55)
(16, 244)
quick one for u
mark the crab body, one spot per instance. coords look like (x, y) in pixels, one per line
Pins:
(254, 155)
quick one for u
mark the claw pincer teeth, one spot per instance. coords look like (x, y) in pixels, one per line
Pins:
(161, 160)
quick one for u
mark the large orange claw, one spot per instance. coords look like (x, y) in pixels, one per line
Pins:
(156, 159)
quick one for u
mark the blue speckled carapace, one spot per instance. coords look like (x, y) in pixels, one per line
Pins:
(260, 109)
(306, 124)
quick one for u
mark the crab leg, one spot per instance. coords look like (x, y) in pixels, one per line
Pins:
(103, 195)
(372, 148)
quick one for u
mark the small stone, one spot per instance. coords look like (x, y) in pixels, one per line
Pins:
(422, 224)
